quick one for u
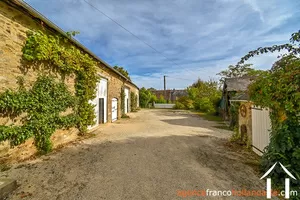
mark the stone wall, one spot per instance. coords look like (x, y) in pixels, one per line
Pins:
(14, 23)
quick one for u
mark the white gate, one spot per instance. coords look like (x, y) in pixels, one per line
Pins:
(114, 109)
(261, 126)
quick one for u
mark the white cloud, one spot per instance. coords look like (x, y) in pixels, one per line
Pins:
(199, 38)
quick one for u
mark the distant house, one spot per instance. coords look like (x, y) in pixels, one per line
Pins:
(253, 122)
(169, 95)
(234, 89)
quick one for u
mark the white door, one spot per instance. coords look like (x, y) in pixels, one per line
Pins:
(126, 100)
(114, 111)
(100, 103)
(102, 94)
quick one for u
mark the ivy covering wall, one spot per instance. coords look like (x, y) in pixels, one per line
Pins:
(133, 101)
(43, 104)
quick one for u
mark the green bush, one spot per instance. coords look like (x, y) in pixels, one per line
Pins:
(161, 99)
(205, 96)
(146, 97)
(179, 105)
(204, 104)
(184, 103)
(284, 147)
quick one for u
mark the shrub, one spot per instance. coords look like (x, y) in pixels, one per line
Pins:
(160, 100)
(204, 104)
(184, 103)
(179, 105)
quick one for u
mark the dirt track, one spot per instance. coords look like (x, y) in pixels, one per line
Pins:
(152, 155)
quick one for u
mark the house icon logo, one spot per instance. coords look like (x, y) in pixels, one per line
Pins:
(287, 181)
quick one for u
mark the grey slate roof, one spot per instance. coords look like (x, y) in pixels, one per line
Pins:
(237, 84)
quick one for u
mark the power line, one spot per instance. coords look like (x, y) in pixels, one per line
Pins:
(123, 27)
(116, 22)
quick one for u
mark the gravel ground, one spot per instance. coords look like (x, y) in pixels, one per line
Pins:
(156, 154)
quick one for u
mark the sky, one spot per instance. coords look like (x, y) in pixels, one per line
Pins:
(194, 38)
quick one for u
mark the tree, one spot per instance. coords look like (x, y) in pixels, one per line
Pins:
(122, 71)
(293, 48)
(235, 71)
(205, 95)
(146, 97)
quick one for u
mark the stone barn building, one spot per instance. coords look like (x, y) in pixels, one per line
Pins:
(16, 19)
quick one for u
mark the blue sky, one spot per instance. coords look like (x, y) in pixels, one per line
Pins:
(199, 37)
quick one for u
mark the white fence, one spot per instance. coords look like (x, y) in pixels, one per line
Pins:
(261, 126)
(163, 105)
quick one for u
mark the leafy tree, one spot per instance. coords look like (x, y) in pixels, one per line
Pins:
(202, 95)
(206, 95)
(146, 97)
(235, 71)
(293, 48)
(122, 71)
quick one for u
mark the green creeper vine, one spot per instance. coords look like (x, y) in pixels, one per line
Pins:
(123, 101)
(45, 101)
(66, 59)
(133, 101)
(43, 104)
(279, 90)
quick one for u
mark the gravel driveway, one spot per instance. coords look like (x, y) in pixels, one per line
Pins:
(156, 154)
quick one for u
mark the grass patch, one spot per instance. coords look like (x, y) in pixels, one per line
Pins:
(210, 117)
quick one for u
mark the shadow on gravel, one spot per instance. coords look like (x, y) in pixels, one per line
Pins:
(180, 122)
(136, 168)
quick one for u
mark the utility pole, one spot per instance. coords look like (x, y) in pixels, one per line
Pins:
(165, 95)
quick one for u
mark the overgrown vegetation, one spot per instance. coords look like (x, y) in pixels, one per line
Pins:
(133, 102)
(202, 96)
(146, 97)
(123, 101)
(44, 103)
(161, 99)
(279, 90)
